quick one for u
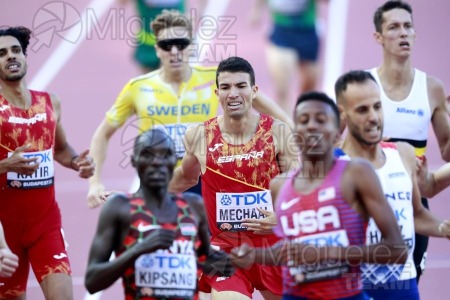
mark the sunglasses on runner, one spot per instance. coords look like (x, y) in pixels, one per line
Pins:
(167, 44)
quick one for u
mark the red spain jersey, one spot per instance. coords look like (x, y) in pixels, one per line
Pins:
(236, 183)
(31, 195)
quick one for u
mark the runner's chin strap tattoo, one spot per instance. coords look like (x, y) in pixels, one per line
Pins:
(218, 264)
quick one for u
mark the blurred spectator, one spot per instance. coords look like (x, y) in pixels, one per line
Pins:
(293, 43)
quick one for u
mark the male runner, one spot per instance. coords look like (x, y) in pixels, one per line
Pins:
(322, 211)
(155, 235)
(31, 140)
(411, 98)
(358, 97)
(237, 155)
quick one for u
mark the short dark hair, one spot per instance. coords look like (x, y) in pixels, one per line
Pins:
(235, 64)
(391, 4)
(321, 97)
(151, 137)
(355, 76)
(21, 33)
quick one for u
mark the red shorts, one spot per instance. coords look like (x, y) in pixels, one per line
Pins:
(40, 243)
(245, 281)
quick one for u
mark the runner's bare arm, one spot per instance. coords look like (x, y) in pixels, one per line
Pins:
(8, 260)
(263, 104)
(432, 183)
(19, 164)
(98, 150)
(187, 175)
(286, 147)
(368, 192)
(425, 222)
(216, 262)
(440, 119)
(114, 218)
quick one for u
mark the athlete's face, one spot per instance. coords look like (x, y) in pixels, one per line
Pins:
(316, 130)
(397, 32)
(154, 159)
(171, 48)
(235, 93)
(13, 64)
(363, 112)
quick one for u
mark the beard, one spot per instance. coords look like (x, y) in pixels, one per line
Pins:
(15, 77)
(355, 132)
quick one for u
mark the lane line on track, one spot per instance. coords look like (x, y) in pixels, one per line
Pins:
(64, 51)
(335, 44)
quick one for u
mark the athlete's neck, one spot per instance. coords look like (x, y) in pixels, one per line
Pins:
(176, 76)
(154, 197)
(16, 93)
(239, 130)
(315, 167)
(372, 152)
(396, 72)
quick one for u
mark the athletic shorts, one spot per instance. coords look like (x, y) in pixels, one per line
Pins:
(39, 243)
(245, 281)
(395, 290)
(304, 41)
(361, 296)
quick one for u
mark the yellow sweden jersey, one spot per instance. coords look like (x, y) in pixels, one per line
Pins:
(156, 104)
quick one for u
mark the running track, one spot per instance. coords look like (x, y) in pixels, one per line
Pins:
(91, 78)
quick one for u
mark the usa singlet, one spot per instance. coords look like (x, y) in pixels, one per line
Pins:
(236, 182)
(321, 218)
(164, 274)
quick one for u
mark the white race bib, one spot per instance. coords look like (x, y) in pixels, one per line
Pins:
(167, 275)
(42, 177)
(233, 208)
(326, 269)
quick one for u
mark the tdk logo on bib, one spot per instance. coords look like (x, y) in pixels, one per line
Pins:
(233, 208)
(42, 157)
(245, 199)
(226, 200)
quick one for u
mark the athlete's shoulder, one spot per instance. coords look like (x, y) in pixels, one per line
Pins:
(194, 132)
(435, 85)
(357, 165)
(40, 93)
(116, 204)
(194, 201)
(151, 77)
(204, 69)
(191, 198)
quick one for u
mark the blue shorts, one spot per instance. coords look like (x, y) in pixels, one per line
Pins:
(304, 41)
(394, 290)
(361, 296)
